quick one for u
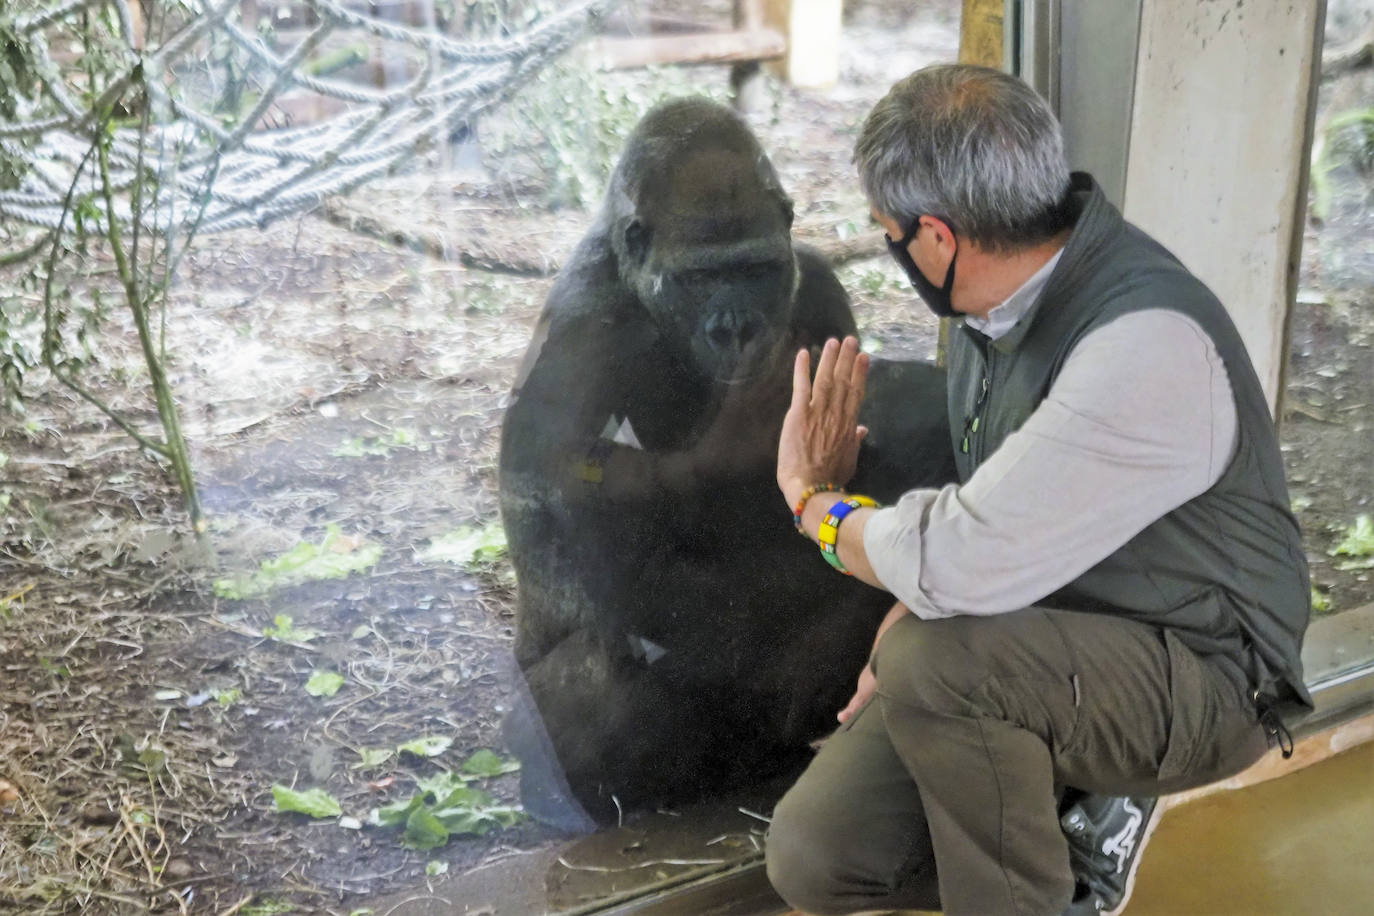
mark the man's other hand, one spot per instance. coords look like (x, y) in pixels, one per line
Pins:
(868, 681)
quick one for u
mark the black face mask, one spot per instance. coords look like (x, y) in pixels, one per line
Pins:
(936, 297)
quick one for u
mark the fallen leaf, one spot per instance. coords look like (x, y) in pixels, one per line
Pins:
(431, 746)
(324, 683)
(314, 802)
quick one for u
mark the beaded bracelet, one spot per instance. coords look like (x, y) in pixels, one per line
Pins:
(809, 492)
(830, 528)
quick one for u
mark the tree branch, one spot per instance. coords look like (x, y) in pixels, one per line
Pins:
(1355, 56)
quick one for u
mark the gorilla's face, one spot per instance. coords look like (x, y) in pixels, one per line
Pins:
(731, 304)
(706, 245)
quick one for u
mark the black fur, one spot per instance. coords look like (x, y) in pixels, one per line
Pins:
(678, 636)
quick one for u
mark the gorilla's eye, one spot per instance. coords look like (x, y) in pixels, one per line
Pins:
(760, 270)
(696, 277)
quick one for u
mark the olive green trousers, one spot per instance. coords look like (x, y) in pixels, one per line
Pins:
(943, 791)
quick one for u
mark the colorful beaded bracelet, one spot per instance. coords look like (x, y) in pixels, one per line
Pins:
(830, 528)
(809, 492)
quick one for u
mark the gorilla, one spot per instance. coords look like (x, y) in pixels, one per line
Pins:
(678, 637)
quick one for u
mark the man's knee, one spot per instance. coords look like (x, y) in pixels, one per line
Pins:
(802, 851)
(930, 664)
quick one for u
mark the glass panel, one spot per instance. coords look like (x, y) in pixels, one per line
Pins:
(1328, 408)
(267, 287)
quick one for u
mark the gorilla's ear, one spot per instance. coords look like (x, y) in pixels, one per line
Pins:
(635, 238)
(788, 210)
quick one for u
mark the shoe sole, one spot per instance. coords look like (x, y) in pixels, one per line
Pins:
(1150, 826)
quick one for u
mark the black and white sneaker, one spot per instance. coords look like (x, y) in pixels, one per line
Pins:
(1106, 836)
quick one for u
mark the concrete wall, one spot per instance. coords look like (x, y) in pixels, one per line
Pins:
(1217, 157)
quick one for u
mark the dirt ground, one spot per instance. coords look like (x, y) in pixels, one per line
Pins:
(331, 378)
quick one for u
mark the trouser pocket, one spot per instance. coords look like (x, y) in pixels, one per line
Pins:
(1214, 729)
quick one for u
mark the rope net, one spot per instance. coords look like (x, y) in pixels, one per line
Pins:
(215, 173)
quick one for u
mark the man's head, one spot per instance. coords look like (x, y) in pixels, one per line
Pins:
(971, 146)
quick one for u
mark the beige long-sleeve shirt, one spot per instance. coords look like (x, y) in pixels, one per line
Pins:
(1139, 420)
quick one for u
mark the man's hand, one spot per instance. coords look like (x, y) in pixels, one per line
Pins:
(820, 436)
(868, 681)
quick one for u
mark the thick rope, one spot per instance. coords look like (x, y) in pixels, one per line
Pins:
(225, 176)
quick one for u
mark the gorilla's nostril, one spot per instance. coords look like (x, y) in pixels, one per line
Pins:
(731, 330)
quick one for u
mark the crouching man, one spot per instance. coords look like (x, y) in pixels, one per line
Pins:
(1110, 602)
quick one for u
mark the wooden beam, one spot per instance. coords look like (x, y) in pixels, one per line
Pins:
(981, 33)
(703, 48)
(812, 29)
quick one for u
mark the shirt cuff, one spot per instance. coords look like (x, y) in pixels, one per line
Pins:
(892, 544)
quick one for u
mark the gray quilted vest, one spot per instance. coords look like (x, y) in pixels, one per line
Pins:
(1226, 570)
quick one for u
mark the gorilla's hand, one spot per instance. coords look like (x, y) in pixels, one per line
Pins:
(820, 434)
(868, 681)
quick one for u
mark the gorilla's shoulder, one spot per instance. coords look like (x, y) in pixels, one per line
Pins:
(588, 293)
(822, 304)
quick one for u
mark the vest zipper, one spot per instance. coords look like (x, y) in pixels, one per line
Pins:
(975, 418)
(988, 377)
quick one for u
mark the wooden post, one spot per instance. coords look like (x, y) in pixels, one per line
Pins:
(980, 33)
(812, 29)
(980, 42)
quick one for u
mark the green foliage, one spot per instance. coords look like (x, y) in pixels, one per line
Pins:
(1358, 543)
(444, 805)
(335, 557)
(431, 746)
(1347, 137)
(472, 548)
(283, 628)
(382, 446)
(19, 82)
(372, 757)
(1320, 603)
(324, 683)
(227, 698)
(568, 124)
(55, 316)
(268, 906)
(485, 764)
(316, 803)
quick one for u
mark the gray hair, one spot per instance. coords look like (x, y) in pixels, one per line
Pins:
(970, 145)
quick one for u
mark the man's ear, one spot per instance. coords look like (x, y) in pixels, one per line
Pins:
(944, 234)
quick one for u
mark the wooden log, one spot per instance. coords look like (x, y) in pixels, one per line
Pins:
(702, 48)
